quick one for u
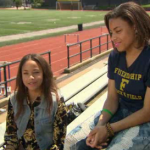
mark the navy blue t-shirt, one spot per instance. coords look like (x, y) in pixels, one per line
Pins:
(130, 82)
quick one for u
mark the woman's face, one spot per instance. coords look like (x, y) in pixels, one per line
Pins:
(122, 34)
(32, 76)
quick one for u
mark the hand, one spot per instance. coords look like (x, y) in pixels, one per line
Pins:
(98, 137)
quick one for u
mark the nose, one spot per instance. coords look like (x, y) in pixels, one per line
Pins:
(113, 37)
(31, 76)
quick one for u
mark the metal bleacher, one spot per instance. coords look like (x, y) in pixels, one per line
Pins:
(82, 125)
(78, 85)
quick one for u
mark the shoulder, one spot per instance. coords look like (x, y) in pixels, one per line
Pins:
(13, 98)
(114, 55)
(146, 56)
(147, 51)
(55, 103)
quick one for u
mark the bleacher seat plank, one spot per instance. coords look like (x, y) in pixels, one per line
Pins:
(2, 132)
(86, 94)
(75, 86)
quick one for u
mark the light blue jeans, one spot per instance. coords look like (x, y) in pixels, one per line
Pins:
(135, 138)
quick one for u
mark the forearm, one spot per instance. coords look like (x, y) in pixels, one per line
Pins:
(111, 106)
(137, 118)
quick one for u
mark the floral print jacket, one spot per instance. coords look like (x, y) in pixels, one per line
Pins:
(28, 140)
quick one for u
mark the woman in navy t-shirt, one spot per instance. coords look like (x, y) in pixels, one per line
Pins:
(125, 118)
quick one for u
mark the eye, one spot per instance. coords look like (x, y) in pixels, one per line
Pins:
(118, 31)
(25, 73)
(36, 72)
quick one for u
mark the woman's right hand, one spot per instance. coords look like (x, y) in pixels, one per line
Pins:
(98, 137)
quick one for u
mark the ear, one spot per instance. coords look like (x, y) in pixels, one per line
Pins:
(135, 29)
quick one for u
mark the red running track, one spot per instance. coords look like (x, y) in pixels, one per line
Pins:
(58, 49)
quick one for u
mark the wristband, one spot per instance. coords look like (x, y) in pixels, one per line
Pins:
(109, 130)
(108, 111)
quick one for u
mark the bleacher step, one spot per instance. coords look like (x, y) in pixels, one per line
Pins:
(86, 94)
(80, 83)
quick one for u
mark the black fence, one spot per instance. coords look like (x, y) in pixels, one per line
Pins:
(5, 68)
(100, 44)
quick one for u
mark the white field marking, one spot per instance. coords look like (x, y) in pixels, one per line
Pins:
(91, 15)
(53, 19)
(73, 17)
(21, 22)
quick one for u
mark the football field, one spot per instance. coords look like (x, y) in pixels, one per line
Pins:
(23, 21)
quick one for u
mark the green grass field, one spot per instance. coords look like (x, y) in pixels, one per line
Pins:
(23, 21)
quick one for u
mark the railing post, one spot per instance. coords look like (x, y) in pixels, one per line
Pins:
(0, 75)
(68, 56)
(8, 71)
(78, 38)
(65, 38)
(5, 79)
(107, 41)
(99, 44)
(49, 55)
(80, 52)
(91, 47)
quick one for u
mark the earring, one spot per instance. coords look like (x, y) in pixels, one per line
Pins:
(136, 32)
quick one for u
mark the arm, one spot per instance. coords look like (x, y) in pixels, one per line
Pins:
(111, 103)
(99, 135)
(11, 130)
(137, 118)
(60, 126)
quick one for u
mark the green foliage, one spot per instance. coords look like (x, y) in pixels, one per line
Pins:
(36, 3)
(145, 6)
(18, 3)
(5, 3)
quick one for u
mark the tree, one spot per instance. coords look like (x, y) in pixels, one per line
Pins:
(37, 3)
(18, 3)
(5, 3)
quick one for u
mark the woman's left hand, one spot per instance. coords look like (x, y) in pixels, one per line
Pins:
(97, 137)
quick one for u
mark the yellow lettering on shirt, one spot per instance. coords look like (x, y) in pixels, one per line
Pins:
(126, 75)
(133, 97)
(123, 83)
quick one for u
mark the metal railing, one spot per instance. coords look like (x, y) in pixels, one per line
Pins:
(90, 49)
(3, 68)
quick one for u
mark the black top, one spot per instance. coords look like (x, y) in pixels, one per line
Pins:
(130, 82)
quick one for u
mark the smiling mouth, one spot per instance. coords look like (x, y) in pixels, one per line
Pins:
(32, 83)
(116, 44)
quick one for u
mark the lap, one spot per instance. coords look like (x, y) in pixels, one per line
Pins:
(133, 138)
(137, 137)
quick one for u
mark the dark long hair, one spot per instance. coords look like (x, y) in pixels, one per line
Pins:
(136, 16)
(48, 84)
